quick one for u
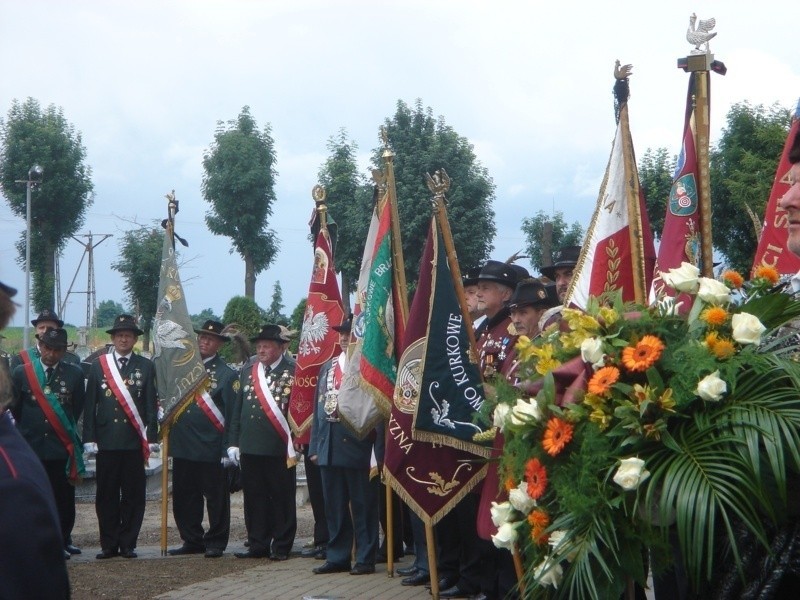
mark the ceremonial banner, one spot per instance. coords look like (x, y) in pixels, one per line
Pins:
(680, 239)
(318, 341)
(429, 477)
(357, 409)
(180, 372)
(378, 358)
(618, 253)
(772, 250)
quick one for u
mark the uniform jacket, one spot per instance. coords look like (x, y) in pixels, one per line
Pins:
(495, 343)
(333, 443)
(69, 358)
(250, 428)
(194, 436)
(105, 421)
(67, 384)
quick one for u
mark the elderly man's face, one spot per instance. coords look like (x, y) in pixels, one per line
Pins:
(43, 326)
(471, 295)
(51, 356)
(209, 344)
(790, 202)
(492, 296)
(526, 319)
(268, 351)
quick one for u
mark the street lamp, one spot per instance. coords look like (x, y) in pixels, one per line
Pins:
(34, 177)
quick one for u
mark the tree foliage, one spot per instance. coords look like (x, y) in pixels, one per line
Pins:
(533, 228)
(32, 136)
(248, 317)
(204, 315)
(107, 311)
(140, 266)
(743, 168)
(656, 171)
(274, 314)
(423, 144)
(239, 183)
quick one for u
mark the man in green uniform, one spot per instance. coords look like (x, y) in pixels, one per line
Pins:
(47, 319)
(120, 425)
(48, 401)
(198, 450)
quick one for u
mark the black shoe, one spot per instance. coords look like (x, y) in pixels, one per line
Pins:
(107, 554)
(251, 554)
(406, 571)
(213, 553)
(455, 592)
(72, 549)
(322, 554)
(67, 555)
(278, 557)
(247, 543)
(186, 549)
(417, 579)
(312, 551)
(480, 596)
(445, 582)
(362, 569)
(330, 567)
(127, 553)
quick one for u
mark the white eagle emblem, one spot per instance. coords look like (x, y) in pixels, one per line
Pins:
(315, 328)
(168, 334)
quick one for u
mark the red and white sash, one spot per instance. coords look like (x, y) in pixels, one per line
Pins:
(274, 414)
(123, 396)
(206, 404)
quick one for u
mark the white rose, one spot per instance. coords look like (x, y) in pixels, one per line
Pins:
(525, 411)
(519, 499)
(631, 473)
(506, 535)
(556, 537)
(683, 279)
(747, 329)
(501, 513)
(501, 412)
(549, 572)
(592, 352)
(711, 387)
(713, 291)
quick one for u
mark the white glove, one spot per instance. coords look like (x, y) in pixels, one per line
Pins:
(233, 454)
(155, 448)
(160, 415)
(90, 448)
(226, 462)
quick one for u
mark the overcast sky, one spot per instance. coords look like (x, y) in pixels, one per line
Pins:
(528, 83)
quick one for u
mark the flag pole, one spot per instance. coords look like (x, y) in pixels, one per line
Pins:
(398, 263)
(319, 195)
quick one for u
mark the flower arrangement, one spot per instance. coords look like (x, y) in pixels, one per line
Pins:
(684, 415)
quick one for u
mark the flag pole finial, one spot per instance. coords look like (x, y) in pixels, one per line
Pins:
(319, 195)
(387, 149)
(438, 184)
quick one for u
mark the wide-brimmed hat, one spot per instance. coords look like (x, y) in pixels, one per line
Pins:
(566, 257)
(346, 326)
(269, 332)
(470, 276)
(500, 272)
(54, 338)
(125, 323)
(530, 292)
(7, 290)
(213, 328)
(48, 315)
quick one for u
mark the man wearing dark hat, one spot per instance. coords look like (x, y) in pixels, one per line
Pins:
(48, 401)
(470, 283)
(199, 454)
(496, 282)
(562, 268)
(260, 438)
(120, 424)
(351, 495)
(47, 319)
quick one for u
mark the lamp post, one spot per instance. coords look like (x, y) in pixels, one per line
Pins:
(34, 177)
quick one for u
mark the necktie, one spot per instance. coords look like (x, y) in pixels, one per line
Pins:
(123, 361)
(48, 373)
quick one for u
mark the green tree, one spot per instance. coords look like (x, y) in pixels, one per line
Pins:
(274, 313)
(349, 200)
(423, 144)
(248, 317)
(107, 311)
(743, 166)
(140, 266)
(296, 323)
(32, 136)
(656, 170)
(204, 315)
(533, 228)
(239, 184)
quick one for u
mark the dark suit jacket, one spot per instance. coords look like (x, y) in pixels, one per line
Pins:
(193, 436)
(104, 420)
(333, 443)
(67, 384)
(33, 563)
(250, 428)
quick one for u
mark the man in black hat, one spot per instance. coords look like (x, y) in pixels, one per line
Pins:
(47, 319)
(351, 496)
(470, 283)
(496, 282)
(562, 269)
(48, 401)
(120, 424)
(199, 454)
(259, 437)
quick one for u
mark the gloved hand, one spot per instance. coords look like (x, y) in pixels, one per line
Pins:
(160, 415)
(90, 448)
(155, 448)
(226, 462)
(233, 454)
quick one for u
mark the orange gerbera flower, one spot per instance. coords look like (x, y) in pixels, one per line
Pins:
(556, 436)
(768, 273)
(644, 354)
(714, 316)
(601, 382)
(536, 475)
(539, 520)
(733, 279)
